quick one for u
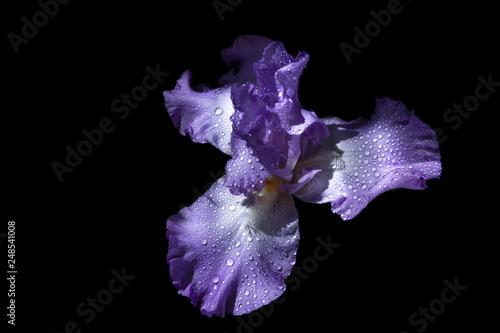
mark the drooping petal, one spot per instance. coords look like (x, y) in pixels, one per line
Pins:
(233, 253)
(245, 51)
(361, 159)
(204, 115)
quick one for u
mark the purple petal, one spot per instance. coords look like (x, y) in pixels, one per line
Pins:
(245, 51)
(251, 163)
(258, 137)
(204, 115)
(233, 253)
(278, 81)
(312, 131)
(361, 159)
(301, 177)
(270, 121)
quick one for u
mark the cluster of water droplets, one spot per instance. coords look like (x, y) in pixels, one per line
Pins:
(205, 115)
(242, 251)
(384, 155)
(248, 168)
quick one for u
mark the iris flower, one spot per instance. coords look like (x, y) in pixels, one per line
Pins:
(233, 248)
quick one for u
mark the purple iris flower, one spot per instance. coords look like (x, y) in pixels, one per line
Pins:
(234, 247)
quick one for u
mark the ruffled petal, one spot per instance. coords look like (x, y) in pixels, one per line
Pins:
(300, 178)
(245, 51)
(204, 115)
(233, 253)
(278, 81)
(260, 145)
(361, 159)
(270, 121)
(251, 164)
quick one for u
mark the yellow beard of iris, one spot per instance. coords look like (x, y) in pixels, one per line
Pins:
(272, 188)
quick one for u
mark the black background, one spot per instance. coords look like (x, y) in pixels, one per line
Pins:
(110, 212)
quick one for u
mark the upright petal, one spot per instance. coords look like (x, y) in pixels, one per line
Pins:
(278, 81)
(270, 121)
(361, 159)
(233, 253)
(245, 51)
(258, 137)
(204, 115)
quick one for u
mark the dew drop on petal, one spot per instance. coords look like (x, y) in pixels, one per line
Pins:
(218, 111)
(230, 262)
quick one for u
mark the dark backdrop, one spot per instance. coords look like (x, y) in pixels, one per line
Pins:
(108, 215)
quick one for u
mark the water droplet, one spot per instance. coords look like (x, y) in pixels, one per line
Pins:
(204, 242)
(230, 262)
(232, 207)
(238, 243)
(218, 111)
(215, 279)
(249, 160)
